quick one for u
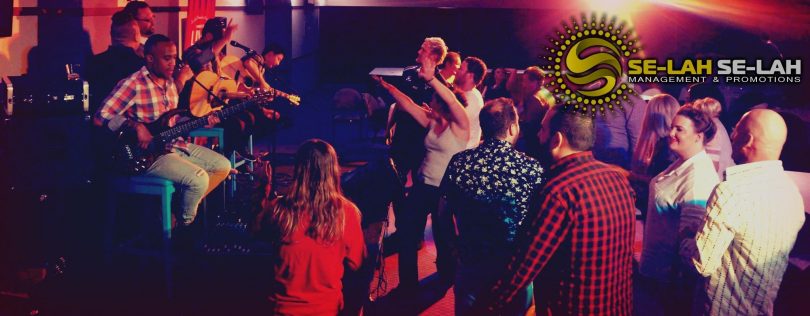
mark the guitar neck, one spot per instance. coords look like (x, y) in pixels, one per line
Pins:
(279, 93)
(186, 127)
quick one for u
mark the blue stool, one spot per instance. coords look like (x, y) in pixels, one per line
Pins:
(148, 185)
(219, 134)
(216, 132)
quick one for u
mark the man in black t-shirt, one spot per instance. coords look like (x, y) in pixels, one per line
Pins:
(120, 60)
(404, 135)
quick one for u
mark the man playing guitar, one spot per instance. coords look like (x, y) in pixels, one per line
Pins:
(142, 98)
(208, 61)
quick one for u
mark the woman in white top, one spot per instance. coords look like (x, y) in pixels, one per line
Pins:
(448, 133)
(719, 148)
(677, 207)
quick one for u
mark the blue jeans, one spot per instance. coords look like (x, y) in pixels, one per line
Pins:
(473, 281)
(190, 171)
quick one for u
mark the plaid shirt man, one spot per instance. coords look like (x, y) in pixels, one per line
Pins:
(580, 241)
(139, 99)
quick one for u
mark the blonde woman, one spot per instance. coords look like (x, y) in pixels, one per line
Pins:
(448, 133)
(314, 229)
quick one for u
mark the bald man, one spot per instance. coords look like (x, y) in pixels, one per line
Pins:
(752, 222)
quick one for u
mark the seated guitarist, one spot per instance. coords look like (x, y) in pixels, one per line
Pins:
(206, 55)
(263, 69)
(142, 98)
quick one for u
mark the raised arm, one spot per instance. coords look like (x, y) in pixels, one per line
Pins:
(405, 103)
(459, 122)
(389, 125)
(219, 44)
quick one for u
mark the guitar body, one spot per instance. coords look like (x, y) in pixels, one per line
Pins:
(131, 158)
(234, 67)
(200, 101)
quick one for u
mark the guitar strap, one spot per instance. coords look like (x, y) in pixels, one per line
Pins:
(209, 92)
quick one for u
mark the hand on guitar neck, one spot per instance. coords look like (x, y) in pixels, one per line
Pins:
(247, 73)
(213, 119)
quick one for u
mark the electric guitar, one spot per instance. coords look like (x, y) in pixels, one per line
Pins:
(133, 160)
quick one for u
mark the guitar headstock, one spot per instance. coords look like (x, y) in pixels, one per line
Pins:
(264, 97)
(295, 100)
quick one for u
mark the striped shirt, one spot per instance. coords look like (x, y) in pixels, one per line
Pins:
(754, 217)
(137, 98)
(578, 245)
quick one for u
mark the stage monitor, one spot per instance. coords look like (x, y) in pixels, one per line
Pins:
(5, 18)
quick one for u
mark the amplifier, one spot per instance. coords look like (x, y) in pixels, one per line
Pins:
(22, 96)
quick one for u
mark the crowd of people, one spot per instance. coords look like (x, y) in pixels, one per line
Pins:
(542, 207)
(529, 203)
(537, 211)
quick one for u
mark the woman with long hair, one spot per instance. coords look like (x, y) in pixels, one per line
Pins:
(448, 132)
(314, 230)
(652, 154)
(677, 208)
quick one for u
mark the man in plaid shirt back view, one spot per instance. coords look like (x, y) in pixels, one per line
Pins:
(577, 244)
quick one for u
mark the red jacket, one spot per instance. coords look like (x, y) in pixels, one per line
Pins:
(308, 274)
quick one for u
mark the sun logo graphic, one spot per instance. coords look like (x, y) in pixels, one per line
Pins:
(587, 60)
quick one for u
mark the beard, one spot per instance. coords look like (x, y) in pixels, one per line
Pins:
(544, 154)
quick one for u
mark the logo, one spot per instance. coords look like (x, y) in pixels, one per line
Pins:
(716, 70)
(588, 61)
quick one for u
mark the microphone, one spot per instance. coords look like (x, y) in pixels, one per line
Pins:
(243, 47)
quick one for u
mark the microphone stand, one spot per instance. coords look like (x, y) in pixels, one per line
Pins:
(210, 93)
(181, 63)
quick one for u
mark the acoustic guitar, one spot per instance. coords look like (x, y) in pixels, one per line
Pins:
(233, 67)
(201, 102)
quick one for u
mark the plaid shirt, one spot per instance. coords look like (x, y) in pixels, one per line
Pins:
(139, 99)
(580, 242)
(753, 220)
